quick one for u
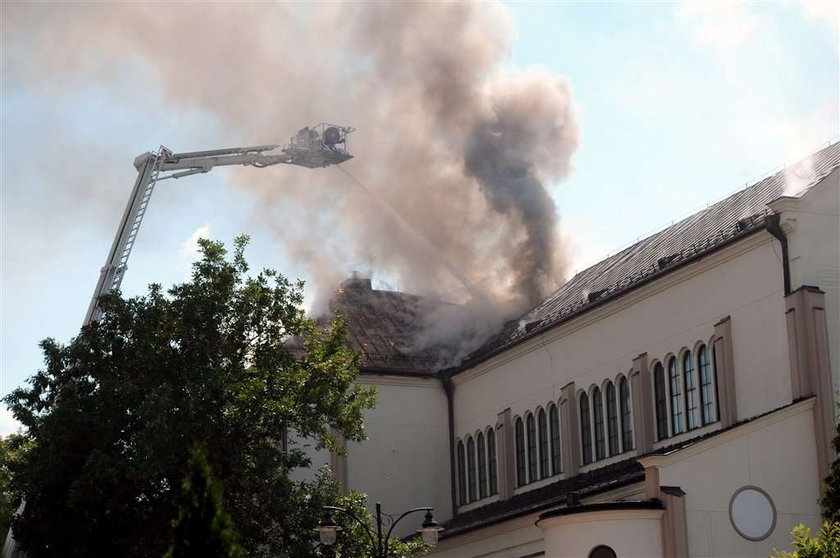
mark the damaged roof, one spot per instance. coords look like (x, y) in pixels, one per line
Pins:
(733, 217)
(387, 327)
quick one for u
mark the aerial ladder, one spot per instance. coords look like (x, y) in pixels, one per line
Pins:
(321, 145)
(318, 146)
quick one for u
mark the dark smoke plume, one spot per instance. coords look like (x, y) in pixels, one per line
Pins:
(460, 147)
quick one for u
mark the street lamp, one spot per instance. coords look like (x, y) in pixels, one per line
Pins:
(328, 528)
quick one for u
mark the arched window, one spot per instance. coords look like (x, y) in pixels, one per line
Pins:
(612, 420)
(482, 466)
(677, 425)
(626, 417)
(598, 411)
(708, 390)
(691, 408)
(602, 551)
(661, 402)
(471, 468)
(554, 429)
(462, 477)
(532, 447)
(585, 429)
(542, 432)
(520, 452)
(491, 459)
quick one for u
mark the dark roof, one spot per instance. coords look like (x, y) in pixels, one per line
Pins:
(719, 224)
(615, 475)
(652, 504)
(386, 326)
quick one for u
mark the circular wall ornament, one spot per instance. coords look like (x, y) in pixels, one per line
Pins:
(752, 513)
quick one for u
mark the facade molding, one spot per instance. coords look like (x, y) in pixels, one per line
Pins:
(810, 365)
(368, 379)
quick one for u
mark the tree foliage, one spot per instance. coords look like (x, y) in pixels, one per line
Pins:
(12, 450)
(830, 500)
(203, 529)
(825, 545)
(112, 416)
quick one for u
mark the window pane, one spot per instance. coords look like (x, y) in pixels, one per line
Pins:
(691, 408)
(532, 447)
(677, 426)
(585, 430)
(626, 416)
(471, 468)
(554, 426)
(542, 430)
(612, 420)
(598, 411)
(462, 477)
(708, 395)
(661, 404)
(482, 466)
(491, 454)
(520, 453)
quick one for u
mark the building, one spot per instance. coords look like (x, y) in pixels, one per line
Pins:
(675, 399)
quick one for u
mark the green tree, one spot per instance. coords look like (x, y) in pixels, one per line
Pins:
(112, 416)
(203, 528)
(825, 545)
(12, 450)
(830, 500)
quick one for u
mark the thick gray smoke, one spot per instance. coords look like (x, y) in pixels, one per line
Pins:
(461, 146)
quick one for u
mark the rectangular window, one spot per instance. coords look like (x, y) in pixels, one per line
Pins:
(677, 426)
(661, 402)
(520, 453)
(626, 416)
(612, 420)
(707, 387)
(471, 469)
(532, 448)
(542, 430)
(482, 467)
(691, 409)
(585, 430)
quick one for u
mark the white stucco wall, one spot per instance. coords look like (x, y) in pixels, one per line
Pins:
(404, 463)
(630, 533)
(743, 281)
(814, 247)
(512, 539)
(776, 453)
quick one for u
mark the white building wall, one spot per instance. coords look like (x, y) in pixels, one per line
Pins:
(404, 463)
(813, 222)
(630, 533)
(743, 281)
(776, 453)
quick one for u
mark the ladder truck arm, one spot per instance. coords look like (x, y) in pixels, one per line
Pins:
(320, 149)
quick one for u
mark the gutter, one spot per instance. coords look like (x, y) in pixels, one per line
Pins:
(771, 223)
(449, 389)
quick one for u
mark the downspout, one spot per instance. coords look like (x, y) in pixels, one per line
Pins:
(771, 223)
(449, 389)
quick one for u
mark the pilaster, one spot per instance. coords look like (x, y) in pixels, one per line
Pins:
(505, 455)
(642, 394)
(570, 439)
(725, 371)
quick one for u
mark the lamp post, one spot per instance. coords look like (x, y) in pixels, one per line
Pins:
(328, 528)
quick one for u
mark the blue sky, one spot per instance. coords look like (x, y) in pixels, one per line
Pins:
(680, 103)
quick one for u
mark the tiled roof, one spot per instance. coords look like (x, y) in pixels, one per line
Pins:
(385, 325)
(718, 224)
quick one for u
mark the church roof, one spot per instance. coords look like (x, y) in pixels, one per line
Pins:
(719, 224)
(386, 326)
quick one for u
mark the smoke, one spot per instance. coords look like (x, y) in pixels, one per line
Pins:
(460, 145)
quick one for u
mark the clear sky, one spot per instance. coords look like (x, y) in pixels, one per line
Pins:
(680, 103)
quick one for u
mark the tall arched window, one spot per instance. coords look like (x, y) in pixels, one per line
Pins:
(585, 430)
(677, 425)
(598, 411)
(532, 447)
(471, 468)
(554, 428)
(482, 465)
(661, 402)
(691, 407)
(462, 474)
(520, 452)
(491, 460)
(542, 434)
(612, 421)
(626, 416)
(708, 391)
